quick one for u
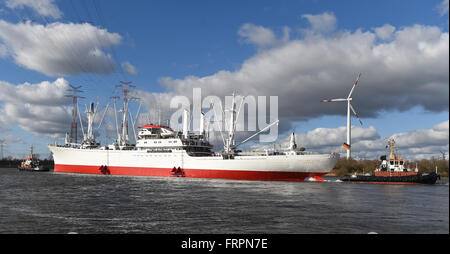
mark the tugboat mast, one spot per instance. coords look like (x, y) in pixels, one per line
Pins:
(393, 150)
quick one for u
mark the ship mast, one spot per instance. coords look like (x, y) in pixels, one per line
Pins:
(230, 144)
(230, 141)
(126, 88)
(292, 144)
(31, 152)
(91, 112)
(392, 149)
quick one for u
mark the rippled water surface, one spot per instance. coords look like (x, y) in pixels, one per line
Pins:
(50, 202)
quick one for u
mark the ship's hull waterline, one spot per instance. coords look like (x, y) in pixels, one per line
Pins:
(179, 164)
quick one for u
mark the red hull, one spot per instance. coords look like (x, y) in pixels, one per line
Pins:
(195, 173)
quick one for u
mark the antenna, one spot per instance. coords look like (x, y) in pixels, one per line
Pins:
(73, 90)
(115, 116)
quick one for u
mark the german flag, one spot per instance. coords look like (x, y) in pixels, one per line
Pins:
(346, 146)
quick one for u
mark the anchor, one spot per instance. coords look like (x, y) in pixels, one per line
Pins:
(178, 172)
(104, 170)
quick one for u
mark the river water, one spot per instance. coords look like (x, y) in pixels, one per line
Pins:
(49, 202)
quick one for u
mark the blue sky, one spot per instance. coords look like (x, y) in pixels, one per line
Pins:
(180, 39)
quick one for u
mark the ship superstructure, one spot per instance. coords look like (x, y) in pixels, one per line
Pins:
(162, 151)
(394, 165)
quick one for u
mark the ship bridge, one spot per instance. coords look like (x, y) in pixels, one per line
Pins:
(156, 138)
(155, 132)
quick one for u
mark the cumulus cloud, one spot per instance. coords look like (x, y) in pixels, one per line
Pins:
(367, 143)
(401, 68)
(385, 32)
(50, 121)
(325, 137)
(45, 8)
(436, 136)
(409, 70)
(129, 68)
(3, 51)
(257, 35)
(40, 109)
(59, 49)
(322, 23)
(11, 139)
(4, 127)
(44, 93)
(443, 7)
(329, 139)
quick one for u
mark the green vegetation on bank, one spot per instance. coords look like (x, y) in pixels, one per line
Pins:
(344, 166)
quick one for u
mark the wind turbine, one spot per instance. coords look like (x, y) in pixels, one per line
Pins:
(347, 145)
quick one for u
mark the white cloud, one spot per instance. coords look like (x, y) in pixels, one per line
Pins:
(59, 49)
(408, 71)
(367, 143)
(45, 8)
(51, 121)
(44, 93)
(37, 108)
(436, 136)
(4, 127)
(330, 139)
(443, 7)
(10, 139)
(3, 51)
(325, 22)
(129, 68)
(258, 35)
(385, 32)
(325, 137)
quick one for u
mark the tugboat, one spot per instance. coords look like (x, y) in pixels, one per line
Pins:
(393, 171)
(31, 163)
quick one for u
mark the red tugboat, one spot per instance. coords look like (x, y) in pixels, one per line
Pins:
(31, 163)
(393, 170)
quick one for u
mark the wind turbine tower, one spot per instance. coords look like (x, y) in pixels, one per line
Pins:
(347, 145)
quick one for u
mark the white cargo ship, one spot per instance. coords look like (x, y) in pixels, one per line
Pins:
(161, 151)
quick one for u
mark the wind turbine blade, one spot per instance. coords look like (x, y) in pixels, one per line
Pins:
(354, 84)
(354, 112)
(333, 100)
